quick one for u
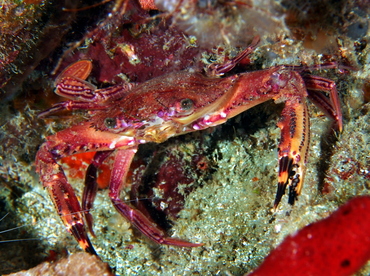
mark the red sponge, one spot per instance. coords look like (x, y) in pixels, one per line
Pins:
(338, 245)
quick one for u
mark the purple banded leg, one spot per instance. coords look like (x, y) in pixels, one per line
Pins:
(91, 186)
(314, 84)
(331, 106)
(94, 101)
(148, 228)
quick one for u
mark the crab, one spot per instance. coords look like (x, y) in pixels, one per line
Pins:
(123, 117)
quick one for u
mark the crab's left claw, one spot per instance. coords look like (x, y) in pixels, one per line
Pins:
(294, 125)
(295, 132)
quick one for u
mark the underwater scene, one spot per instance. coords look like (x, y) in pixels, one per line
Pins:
(188, 137)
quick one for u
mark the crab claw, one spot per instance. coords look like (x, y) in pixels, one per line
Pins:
(82, 138)
(295, 132)
(63, 196)
(292, 152)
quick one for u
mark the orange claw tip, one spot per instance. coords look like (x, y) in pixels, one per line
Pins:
(78, 231)
(340, 124)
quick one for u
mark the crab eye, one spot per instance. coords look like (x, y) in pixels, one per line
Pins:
(110, 122)
(185, 106)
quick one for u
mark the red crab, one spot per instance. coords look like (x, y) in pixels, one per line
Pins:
(125, 116)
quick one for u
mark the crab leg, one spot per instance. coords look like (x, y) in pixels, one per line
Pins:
(80, 69)
(70, 105)
(63, 196)
(295, 133)
(282, 86)
(221, 69)
(314, 84)
(91, 186)
(118, 179)
(331, 108)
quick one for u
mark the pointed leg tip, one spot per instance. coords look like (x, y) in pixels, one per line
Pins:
(194, 244)
(276, 205)
(180, 243)
(89, 222)
(340, 127)
(279, 194)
